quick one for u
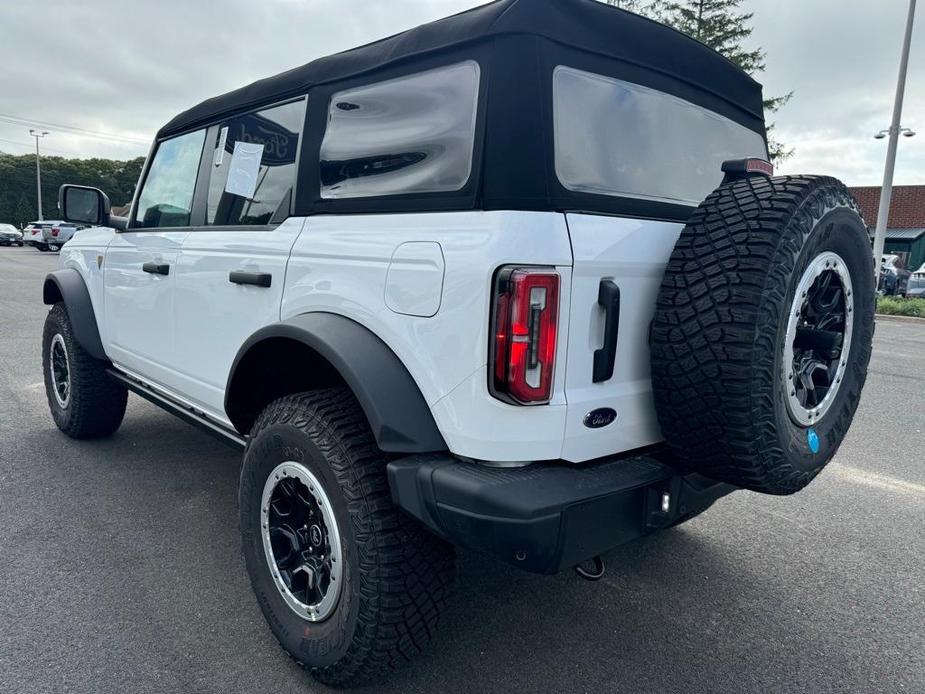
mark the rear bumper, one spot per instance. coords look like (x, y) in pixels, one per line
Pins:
(548, 516)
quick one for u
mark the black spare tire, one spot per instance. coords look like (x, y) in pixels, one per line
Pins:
(762, 332)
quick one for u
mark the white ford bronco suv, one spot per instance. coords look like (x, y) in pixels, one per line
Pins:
(518, 280)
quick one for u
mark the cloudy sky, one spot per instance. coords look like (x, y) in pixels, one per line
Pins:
(122, 69)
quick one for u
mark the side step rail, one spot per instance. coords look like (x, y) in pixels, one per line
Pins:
(188, 414)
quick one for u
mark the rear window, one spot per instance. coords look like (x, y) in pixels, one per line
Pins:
(622, 139)
(413, 134)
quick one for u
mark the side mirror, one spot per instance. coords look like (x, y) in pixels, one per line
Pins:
(84, 205)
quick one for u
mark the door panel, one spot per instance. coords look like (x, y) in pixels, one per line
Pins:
(139, 305)
(633, 254)
(213, 316)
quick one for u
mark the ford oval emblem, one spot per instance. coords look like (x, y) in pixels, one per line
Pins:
(599, 418)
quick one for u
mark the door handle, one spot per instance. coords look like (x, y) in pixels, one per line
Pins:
(257, 279)
(608, 296)
(156, 268)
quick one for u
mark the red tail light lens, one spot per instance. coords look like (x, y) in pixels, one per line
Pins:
(54, 231)
(525, 322)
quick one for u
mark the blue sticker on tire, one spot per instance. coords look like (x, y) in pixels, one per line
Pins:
(812, 438)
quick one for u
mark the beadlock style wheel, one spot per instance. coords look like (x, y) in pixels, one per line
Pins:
(351, 587)
(302, 541)
(818, 341)
(60, 371)
(763, 332)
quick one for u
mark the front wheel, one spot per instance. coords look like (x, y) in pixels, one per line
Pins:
(84, 401)
(349, 585)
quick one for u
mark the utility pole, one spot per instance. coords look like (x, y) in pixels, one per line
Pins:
(886, 193)
(38, 165)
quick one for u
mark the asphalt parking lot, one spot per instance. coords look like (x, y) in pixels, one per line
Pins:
(120, 568)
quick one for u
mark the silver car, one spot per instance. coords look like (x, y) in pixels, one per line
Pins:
(10, 235)
(916, 287)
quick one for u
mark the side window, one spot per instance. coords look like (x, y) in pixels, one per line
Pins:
(618, 138)
(166, 199)
(254, 162)
(413, 134)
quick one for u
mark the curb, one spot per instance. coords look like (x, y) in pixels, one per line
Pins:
(900, 319)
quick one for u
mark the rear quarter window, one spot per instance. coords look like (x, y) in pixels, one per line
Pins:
(412, 134)
(622, 139)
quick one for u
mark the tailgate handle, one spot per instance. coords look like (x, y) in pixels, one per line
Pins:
(608, 296)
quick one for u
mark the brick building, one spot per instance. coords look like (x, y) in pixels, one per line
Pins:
(905, 234)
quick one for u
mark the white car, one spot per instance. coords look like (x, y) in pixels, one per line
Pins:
(519, 280)
(34, 235)
(10, 235)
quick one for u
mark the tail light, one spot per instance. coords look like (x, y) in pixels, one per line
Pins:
(55, 231)
(525, 322)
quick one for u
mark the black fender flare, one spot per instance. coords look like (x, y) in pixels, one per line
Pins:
(68, 285)
(397, 412)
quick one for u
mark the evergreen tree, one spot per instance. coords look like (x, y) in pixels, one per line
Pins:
(724, 27)
(638, 6)
(23, 212)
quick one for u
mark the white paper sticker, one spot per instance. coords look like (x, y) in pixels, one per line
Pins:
(244, 168)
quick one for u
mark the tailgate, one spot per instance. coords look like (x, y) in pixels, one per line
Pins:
(632, 255)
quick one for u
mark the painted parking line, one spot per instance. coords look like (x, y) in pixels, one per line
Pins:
(873, 479)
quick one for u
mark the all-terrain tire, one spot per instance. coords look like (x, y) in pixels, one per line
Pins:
(720, 330)
(94, 404)
(397, 576)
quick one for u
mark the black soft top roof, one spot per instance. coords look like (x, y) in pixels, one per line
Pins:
(586, 25)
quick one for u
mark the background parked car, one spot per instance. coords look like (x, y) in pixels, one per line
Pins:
(916, 287)
(33, 236)
(56, 234)
(893, 275)
(10, 235)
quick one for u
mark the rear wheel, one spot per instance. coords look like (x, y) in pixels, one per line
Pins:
(350, 586)
(763, 331)
(54, 247)
(84, 401)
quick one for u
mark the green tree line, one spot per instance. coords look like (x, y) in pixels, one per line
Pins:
(18, 203)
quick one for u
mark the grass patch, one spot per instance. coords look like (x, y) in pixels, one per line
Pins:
(897, 306)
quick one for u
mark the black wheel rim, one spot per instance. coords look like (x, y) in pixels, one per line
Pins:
(818, 338)
(60, 369)
(301, 541)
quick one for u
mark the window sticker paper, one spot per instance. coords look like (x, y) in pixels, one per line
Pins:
(244, 169)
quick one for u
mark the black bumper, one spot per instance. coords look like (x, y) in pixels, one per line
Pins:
(547, 516)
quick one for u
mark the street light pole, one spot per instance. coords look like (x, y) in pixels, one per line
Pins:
(38, 165)
(886, 193)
